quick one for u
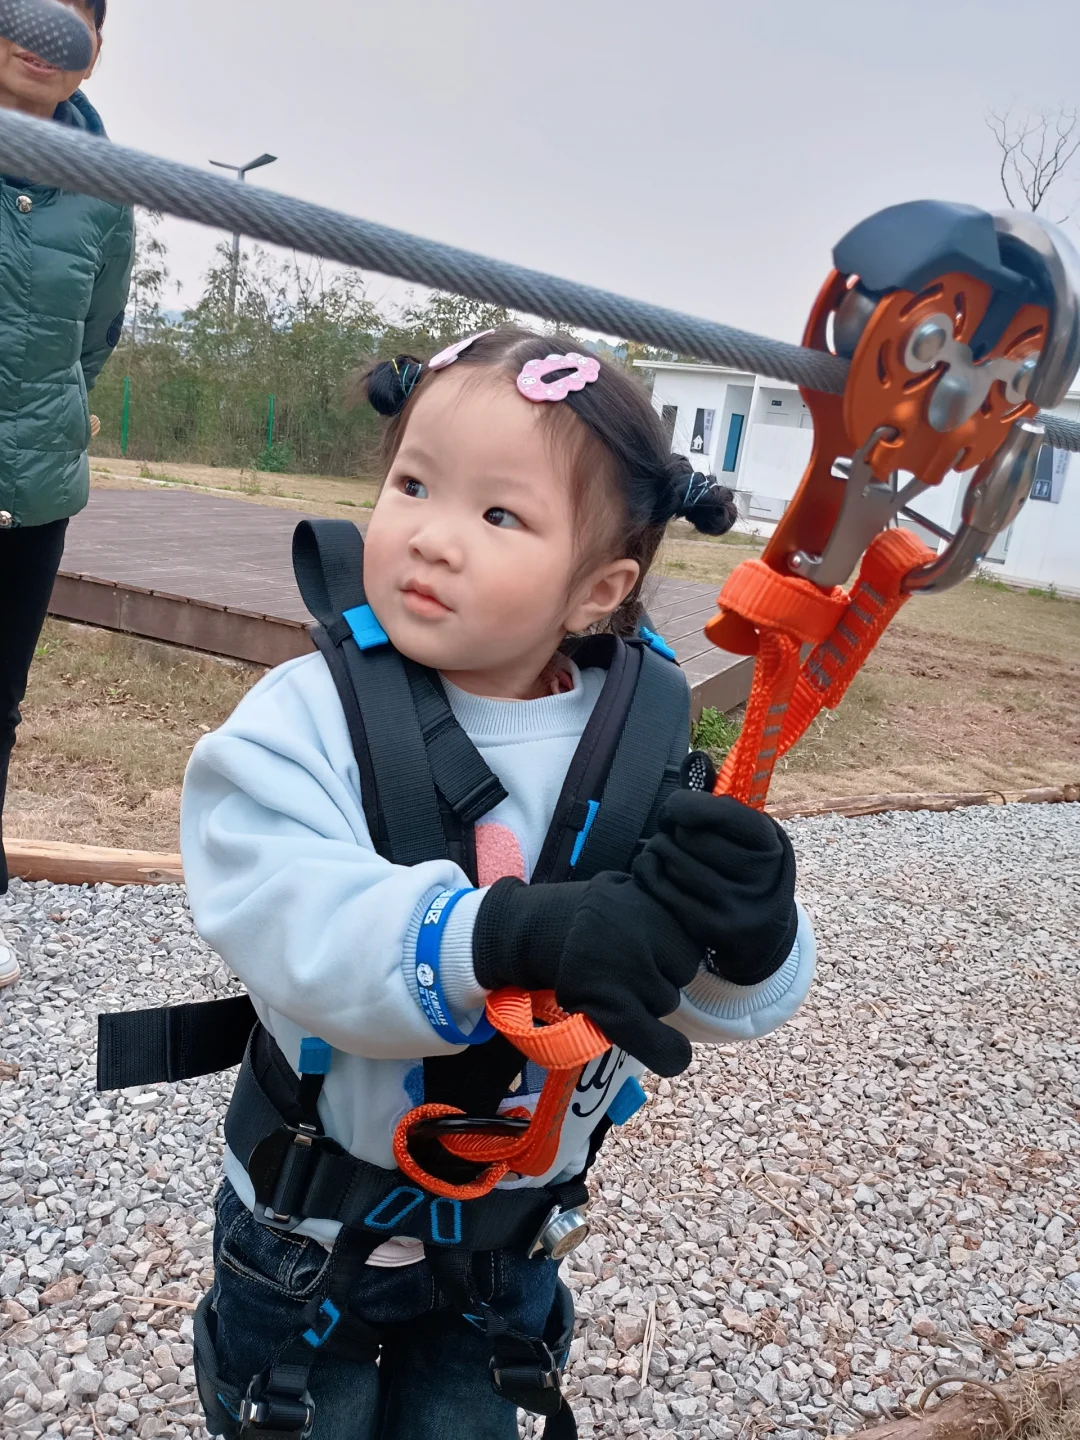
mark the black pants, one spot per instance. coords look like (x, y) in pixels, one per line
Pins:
(29, 560)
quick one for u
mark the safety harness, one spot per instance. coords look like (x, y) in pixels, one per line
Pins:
(424, 786)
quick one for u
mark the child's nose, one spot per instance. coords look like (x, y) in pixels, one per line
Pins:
(436, 544)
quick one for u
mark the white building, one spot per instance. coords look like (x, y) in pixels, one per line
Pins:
(756, 435)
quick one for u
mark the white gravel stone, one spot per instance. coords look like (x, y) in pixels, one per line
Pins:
(822, 1222)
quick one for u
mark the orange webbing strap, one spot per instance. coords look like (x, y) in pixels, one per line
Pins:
(875, 598)
(787, 613)
(563, 1045)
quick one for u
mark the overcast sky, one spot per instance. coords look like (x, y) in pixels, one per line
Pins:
(698, 153)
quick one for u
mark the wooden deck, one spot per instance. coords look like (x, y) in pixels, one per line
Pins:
(216, 575)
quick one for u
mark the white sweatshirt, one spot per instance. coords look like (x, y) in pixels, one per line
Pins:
(285, 884)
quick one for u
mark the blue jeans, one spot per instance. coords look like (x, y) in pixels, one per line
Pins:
(431, 1381)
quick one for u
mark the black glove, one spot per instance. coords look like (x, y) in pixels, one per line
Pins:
(728, 874)
(604, 946)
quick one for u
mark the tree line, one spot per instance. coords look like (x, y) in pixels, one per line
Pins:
(198, 384)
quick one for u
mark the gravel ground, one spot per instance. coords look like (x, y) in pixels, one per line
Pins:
(812, 1228)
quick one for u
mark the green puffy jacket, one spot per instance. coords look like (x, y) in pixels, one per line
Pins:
(65, 267)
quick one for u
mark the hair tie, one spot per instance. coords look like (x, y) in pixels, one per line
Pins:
(697, 487)
(407, 378)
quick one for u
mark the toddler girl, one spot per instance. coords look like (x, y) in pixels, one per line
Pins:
(525, 497)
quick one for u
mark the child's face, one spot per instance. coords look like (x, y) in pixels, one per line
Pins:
(28, 84)
(471, 563)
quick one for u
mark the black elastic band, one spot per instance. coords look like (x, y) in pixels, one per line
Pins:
(181, 1042)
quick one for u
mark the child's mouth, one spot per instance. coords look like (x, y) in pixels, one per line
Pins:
(421, 601)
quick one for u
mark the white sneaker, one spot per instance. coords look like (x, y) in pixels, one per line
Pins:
(9, 966)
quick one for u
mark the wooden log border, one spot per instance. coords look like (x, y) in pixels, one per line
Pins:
(64, 864)
(1025, 1404)
(881, 804)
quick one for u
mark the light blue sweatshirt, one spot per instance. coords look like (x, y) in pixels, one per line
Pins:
(285, 884)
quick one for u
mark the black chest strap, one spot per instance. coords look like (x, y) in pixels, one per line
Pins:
(415, 751)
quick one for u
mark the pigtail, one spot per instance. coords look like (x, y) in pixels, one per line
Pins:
(386, 384)
(701, 499)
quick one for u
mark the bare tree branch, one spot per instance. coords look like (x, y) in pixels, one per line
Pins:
(1037, 151)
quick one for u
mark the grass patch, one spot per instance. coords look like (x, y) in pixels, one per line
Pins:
(974, 689)
(109, 723)
(315, 494)
(715, 732)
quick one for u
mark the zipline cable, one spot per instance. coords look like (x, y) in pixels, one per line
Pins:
(54, 155)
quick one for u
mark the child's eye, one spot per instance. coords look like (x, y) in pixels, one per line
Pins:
(504, 519)
(415, 489)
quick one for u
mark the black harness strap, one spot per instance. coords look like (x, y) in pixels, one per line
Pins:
(461, 774)
(525, 1369)
(179, 1042)
(417, 760)
(296, 1174)
(369, 790)
(592, 760)
(328, 557)
(645, 752)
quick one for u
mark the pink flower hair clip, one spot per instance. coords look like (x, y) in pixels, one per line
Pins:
(584, 369)
(450, 354)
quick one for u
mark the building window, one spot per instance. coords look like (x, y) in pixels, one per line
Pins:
(734, 436)
(668, 417)
(701, 442)
(1050, 471)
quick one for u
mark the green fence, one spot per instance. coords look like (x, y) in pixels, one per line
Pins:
(155, 409)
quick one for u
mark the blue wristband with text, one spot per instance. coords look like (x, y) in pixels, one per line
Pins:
(428, 984)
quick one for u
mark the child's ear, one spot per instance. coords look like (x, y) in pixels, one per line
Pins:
(601, 593)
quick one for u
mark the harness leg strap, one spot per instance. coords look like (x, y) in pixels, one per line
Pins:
(525, 1370)
(277, 1404)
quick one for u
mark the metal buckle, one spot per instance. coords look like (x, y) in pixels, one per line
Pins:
(279, 1164)
(547, 1379)
(285, 1223)
(561, 1233)
(281, 1414)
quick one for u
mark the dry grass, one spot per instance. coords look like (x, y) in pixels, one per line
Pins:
(109, 722)
(972, 690)
(1040, 1422)
(976, 689)
(316, 494)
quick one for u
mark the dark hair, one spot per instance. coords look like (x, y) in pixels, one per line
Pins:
(98, 7)
(614, 439)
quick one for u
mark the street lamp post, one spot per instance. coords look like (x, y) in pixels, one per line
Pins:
(240, 171)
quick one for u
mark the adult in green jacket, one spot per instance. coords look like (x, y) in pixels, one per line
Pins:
(65, 266)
